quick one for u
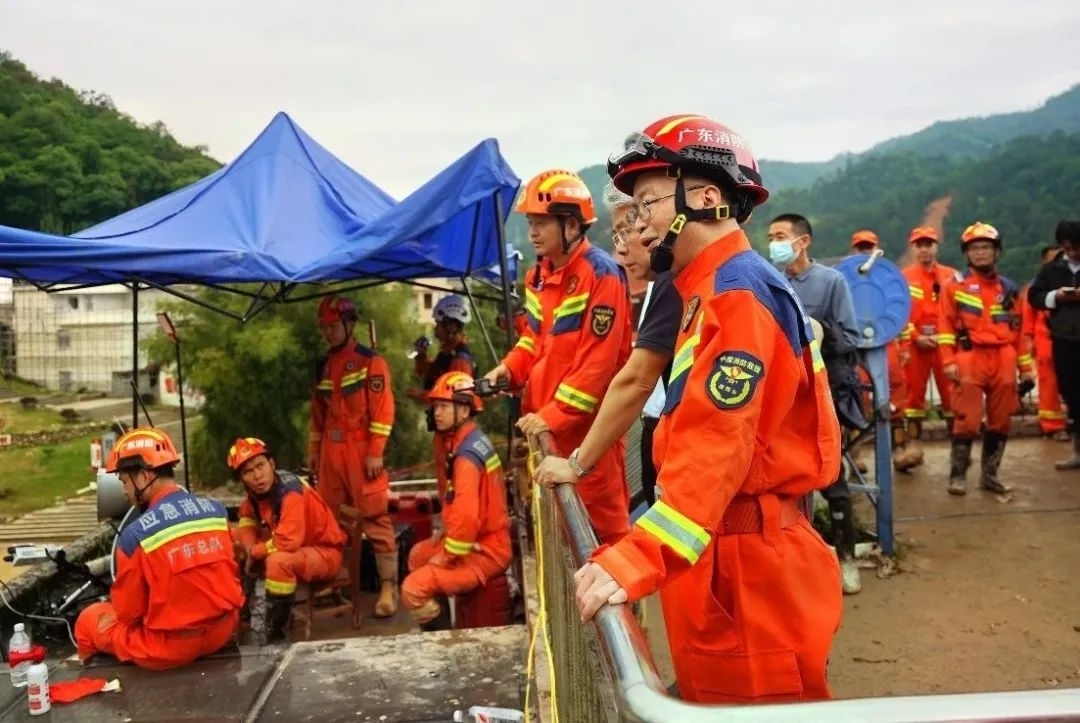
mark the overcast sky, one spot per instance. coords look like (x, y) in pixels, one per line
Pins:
(400, 90)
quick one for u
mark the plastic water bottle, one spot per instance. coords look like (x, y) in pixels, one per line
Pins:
(37, 689)
(20, 643)
(488, 714)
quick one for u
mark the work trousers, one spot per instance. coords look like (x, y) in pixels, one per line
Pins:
(342, 479)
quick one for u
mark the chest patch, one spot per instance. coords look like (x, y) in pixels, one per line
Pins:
(691, 309)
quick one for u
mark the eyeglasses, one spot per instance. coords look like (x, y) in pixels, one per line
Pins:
(641, 209)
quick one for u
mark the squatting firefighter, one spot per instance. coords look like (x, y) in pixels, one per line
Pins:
(352, 415)
(638, 387)
(1036, 330)
(751, 593)
(982, 349)
(451, 314)
(288, 533)
(474, 545)
(825, 296)
(905, 455)
(926, 278)
(578, 306)
(1057, 289)
(176, 596)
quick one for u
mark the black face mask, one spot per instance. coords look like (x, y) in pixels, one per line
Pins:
(662, 257)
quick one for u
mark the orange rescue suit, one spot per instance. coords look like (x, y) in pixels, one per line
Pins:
(578, 338)
(974, 306)
(925, 286)
(294, 531)
(474, 546)
(352, 415)
(751, 593)
(177, 595)
(1052, 416)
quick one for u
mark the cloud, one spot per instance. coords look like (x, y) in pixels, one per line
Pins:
(399, 90)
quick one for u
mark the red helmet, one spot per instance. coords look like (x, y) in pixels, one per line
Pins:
(559, 193)
(337, 308)
(980, 231)
(695, 144)
(456, 387)
(244, 449)
(142, 448)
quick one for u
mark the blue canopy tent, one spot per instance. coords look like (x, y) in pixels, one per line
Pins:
(285, 212)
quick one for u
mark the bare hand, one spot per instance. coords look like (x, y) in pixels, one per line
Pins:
(952, 371)
(441, 559)
(532, 424)
(499, 372)
(594, 589)
(555, 471)
(924, 341)
(373, 466)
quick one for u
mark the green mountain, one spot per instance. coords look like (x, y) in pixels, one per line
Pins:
(70, 159)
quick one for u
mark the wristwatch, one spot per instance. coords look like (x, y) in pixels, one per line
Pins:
(575, 466)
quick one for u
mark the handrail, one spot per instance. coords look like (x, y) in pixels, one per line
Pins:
(641, 697)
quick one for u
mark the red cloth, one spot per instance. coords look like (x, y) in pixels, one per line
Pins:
(69, 691)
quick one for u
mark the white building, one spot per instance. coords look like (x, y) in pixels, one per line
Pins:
(81, 338)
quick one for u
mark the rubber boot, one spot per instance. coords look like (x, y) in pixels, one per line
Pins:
(278, 615)
(843, 529)
(914, 440)
(903, 459)
(387, 565)
(1074, 462)
(959, 461)
(993, 449)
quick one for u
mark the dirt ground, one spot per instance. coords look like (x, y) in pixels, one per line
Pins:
(988, 593)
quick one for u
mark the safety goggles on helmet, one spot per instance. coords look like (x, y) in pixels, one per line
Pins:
(640, 148)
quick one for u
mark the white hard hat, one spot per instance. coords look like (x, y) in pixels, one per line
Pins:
(451, 307)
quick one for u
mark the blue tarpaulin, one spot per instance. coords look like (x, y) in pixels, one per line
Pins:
(286, 210)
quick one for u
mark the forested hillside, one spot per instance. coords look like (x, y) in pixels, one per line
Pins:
(70, 159)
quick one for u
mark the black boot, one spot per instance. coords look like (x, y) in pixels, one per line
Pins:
(993, 449)
(278, 614)
(959, 461)
(843, 529)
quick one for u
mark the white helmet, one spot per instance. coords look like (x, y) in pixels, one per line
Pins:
(451, 307)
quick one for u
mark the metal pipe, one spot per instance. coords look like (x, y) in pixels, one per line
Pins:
(641, 697)
(135, 355)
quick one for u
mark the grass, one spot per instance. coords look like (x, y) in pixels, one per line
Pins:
(17, 419)
(35, 477)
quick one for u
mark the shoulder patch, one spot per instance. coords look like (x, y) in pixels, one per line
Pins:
(603, 319)
(691, 309)
(749, 271)
(734, 379)
(377, 383)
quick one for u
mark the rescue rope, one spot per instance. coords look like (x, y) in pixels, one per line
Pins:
(542, 617)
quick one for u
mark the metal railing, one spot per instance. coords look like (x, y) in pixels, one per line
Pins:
(608, 673)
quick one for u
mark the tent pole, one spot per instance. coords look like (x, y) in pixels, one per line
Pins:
(480, 320)
(135, 354)
(508, 308)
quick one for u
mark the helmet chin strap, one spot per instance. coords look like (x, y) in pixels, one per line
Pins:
(348, 326)
(139, 491)
(663, 255)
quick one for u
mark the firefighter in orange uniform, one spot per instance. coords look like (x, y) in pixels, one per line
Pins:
(286, 529)
(474, 544)
(578, 307)
(926, 278)
(982, 349)
(905, 456)
(751, 593)
(352, 414)
(1052, 416)
(176, 596)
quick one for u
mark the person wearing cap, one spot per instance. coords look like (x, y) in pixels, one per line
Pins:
(905, 456)
(926, 278)
(473, 546)
(176, 596)
(750, 592)
(1056, 290)
(352, 415)
(288, 534)
(982, 351)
